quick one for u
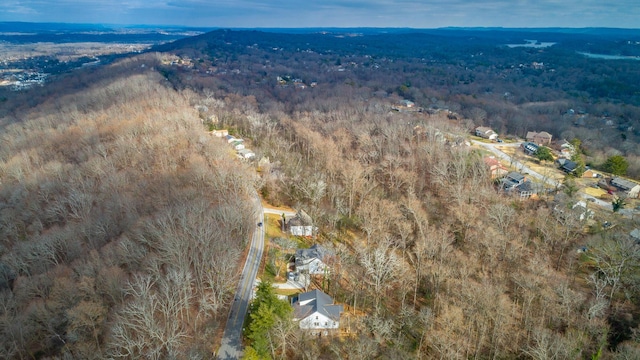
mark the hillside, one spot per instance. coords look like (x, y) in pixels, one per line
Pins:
(121, 221)
(434, 261)
(491, 77)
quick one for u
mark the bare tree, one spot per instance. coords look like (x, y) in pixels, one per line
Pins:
(382, 266)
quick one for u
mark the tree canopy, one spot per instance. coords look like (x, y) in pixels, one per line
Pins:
(544, 154)
(616, 164)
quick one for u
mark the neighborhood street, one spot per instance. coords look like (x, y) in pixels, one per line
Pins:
(549, 181)
(231, 347)
(517, 164)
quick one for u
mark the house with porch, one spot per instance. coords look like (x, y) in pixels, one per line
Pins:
(313, 260)
(486, 133)
(300, 225)
(315, 311)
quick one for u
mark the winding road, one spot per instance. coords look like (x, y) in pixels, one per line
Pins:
(231, 346)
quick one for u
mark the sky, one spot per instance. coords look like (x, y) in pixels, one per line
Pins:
(330, 13)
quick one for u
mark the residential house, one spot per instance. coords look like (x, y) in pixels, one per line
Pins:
(589, 173)
(486, 133)
(567, 166)
(540, 138)
(246, 154)
(407, 103)
(230, 138)
(496, 169)
(315, 311)
(313, 260)
(301, 224)
(630, 188)
(516, 184)
(220, 133)
(525, 190)
(512, 180)
(237, 145)
(581, 210)
(567, 150)
(529, 148)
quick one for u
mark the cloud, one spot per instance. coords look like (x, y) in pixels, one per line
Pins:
(340, 13)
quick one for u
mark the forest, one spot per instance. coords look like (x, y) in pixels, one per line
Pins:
(123, 222)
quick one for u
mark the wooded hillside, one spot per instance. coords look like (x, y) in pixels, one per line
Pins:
(121, 221)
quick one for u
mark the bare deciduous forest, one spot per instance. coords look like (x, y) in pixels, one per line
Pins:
(123, 221)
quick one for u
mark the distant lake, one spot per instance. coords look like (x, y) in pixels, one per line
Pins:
(608, 57)
(532, 44)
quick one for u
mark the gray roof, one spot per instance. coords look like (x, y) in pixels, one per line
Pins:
(569, 166)
(316, 301)
(301, 219)
(623, 184)
(529, 146)
(314, 252)
(515, 176)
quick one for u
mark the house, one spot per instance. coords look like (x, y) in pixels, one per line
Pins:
(315, 311)
(407, 103)
(630, 188)
(589, 173)
(486, 133)
(220, 133)
(516, 184)
(567, 166)
(496, 169)
(301, 224)
(246, 154)
(540, 138)
(230, 138)
(512, 180)
(567, 150)
(313, 260)
(529, 148)
(237, 145)
(524, 190)
(581, 210)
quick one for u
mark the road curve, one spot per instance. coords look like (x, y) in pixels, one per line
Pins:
(551, 182)
(231, 345)
(517, 164)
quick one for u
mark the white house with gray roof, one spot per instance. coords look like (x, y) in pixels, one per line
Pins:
(313, 260)
(314, 310)
(632, 189)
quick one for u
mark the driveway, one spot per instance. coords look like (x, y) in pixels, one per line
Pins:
(287, 213)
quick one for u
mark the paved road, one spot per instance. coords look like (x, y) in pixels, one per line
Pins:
(517, 164)
(551, 182)
(231, 347)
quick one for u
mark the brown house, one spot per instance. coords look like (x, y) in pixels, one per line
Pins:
(496, 169)
(540, 138)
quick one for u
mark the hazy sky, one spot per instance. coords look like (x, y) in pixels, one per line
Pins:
(330, 13)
